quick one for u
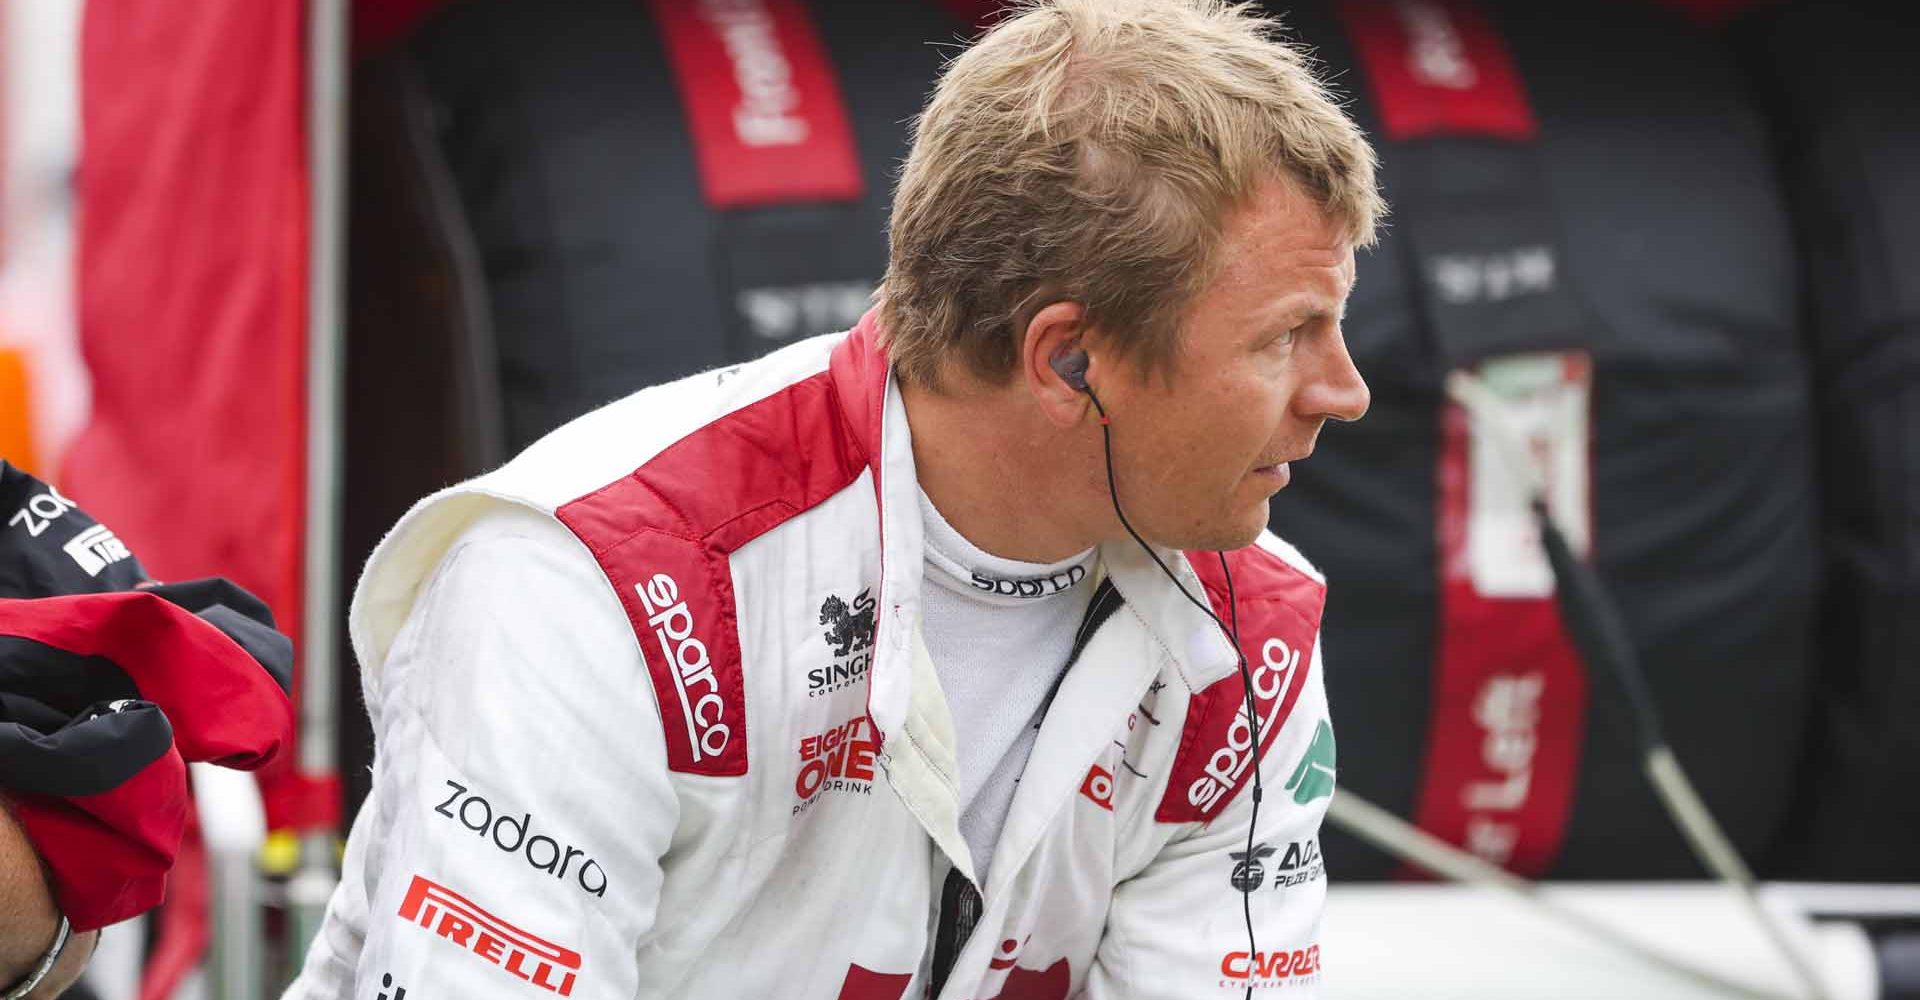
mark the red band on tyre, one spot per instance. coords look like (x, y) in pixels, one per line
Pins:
(1438, 67)
(762, 102)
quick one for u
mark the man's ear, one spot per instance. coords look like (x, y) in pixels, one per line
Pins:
(1057, 330)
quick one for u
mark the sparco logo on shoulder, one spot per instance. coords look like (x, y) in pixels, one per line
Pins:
(1229, 761)
(850, 635)
(693, 679)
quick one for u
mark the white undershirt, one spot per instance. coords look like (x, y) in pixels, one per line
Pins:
(999, 632)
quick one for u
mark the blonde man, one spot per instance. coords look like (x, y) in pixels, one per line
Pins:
(898, 663)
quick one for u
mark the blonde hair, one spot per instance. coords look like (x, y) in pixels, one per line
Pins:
(1089, 150)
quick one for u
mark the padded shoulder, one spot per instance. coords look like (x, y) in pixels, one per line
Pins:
(1272, 598)
(663, 534)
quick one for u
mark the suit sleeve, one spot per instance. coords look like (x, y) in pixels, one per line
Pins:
(1177, 928)
(512, 844)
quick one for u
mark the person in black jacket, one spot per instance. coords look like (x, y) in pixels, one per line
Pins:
(109, 684)
(30, 922)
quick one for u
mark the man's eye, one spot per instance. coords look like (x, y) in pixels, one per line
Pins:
(1286, 339)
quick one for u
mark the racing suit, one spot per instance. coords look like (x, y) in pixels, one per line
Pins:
(654, 719)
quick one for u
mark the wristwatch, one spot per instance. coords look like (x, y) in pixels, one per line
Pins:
(40, 971)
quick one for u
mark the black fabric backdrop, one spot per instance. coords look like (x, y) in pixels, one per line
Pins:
(598, 270)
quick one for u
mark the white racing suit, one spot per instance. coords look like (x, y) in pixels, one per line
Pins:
(653, 719)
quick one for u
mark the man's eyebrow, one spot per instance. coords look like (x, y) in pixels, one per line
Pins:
(1308, 312)
(1303, 307)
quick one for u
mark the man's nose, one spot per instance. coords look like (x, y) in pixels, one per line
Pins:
(1336, 392)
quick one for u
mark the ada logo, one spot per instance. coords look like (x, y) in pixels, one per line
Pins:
(850, 635)
(456, 918)
(1313, 776)
(838, 760)
(541, 851)
(386, 983)
(1299, 865)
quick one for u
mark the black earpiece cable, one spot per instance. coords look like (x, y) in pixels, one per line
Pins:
(1231, 632)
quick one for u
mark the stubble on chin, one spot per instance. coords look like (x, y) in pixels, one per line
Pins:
(1226, 532)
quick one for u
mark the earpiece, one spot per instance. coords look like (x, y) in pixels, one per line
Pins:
(1071, 366)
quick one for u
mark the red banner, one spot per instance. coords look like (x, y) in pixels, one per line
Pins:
(192, 312)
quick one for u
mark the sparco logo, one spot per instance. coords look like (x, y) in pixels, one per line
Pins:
(1268, 969)
(456, 918)
(692, 669)
(515, 836)
(838, 760)
(766, 114)
(1229, 763)
(850, 634)
(1039, 586)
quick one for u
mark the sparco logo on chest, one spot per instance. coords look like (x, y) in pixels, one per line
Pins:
(693, 679)
(1234, 753)
(849, 635)
(514, 835)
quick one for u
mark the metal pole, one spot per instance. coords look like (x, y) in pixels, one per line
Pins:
(327, 69)
(233, 825)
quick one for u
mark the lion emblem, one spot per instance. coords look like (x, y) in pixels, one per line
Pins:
(848, 629)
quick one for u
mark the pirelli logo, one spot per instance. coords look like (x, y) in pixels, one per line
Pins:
(454, 917)
(96, 548)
